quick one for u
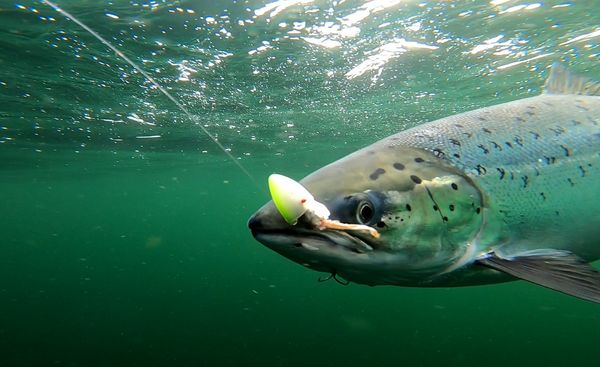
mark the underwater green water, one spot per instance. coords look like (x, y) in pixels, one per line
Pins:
(124, 238)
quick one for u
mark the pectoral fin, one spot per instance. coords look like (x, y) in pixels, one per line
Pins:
(558, 270)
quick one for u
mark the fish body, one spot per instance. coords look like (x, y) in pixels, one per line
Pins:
(536, 163)
(491, 195)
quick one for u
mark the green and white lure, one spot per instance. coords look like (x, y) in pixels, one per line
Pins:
(293, 201)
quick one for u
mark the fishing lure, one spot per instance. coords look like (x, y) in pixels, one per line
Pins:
(293, 200)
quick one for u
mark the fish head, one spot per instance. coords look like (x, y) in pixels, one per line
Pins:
(427, 213)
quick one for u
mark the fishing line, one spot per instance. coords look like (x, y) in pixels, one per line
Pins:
(155, 84)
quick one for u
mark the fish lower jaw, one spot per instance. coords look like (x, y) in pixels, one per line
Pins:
(312, 240)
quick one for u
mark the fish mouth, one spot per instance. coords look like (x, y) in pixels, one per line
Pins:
(304, 241)
(310, 239)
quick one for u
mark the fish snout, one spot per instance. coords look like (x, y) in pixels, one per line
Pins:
(254, 222)
(267, 218)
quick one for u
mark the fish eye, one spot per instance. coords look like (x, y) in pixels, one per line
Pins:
(359, 208)
(364, 212)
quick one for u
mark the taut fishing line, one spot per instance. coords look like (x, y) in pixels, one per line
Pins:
(154, 83)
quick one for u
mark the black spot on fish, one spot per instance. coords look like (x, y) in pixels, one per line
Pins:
(483, 148)
(496, 145)
(454, 186)
(408, 207)
(557, 213)
(481, 170)
(568, 151)
(502, 172)
(478, 210)
(512, 176)
(398, 166)
(508, 144)
(525, 181)
(486, 130)
(543, 196)
(536, 136)
(416, 179)
(456, 155)
(455, 142)
(518, 140)
(375, 175)
(458, 125)
(571, 182)
(550, 160)
(537, 171)
(438, 153)
(583, 172)
(519, 119)
(419, 160)
(445, 219)
(468, 135)
(371, 152)
(435, 208)
(380, 224)
(451, 207)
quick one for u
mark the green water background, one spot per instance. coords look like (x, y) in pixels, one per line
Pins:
(120, 249)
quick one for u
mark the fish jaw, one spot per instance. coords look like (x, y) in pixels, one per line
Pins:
(336, 252)
(322, 250)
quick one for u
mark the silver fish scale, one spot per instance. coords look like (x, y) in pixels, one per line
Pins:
(537, 160)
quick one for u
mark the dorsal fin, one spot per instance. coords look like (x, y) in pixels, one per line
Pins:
(563, 81)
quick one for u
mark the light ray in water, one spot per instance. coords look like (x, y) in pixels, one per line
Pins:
(154, 83)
